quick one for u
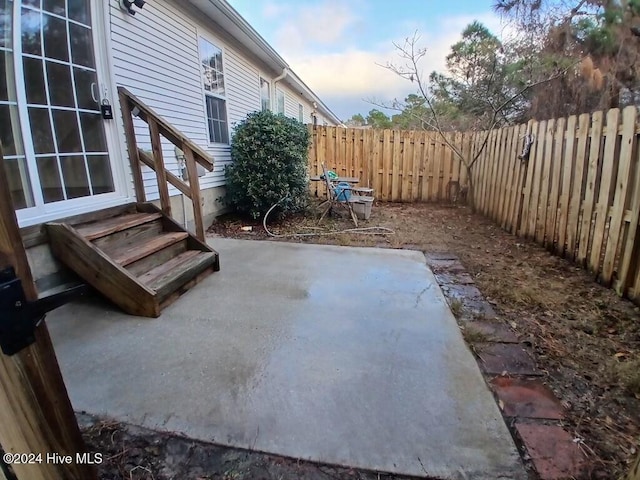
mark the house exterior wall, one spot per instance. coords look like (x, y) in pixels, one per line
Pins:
(155, 55)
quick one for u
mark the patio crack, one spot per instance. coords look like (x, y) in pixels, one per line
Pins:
(419, 296)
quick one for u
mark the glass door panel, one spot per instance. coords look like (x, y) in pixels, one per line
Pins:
(62, 112)
(15, 165)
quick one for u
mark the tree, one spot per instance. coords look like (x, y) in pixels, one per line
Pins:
(452, 93)
(413, 112)
(476, 79)
(378, 119)
(603, 34)
(356, 120)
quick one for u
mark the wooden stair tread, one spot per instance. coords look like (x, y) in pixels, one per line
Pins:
(149, 277)
(166, 278)
(95, 230)
(132, 253)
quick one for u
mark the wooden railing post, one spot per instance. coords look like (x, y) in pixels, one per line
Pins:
(35, 412)
(194, 185)
(192, 152)
(161, 174)
(132, 147)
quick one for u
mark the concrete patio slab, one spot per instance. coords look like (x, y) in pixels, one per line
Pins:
(339, 355)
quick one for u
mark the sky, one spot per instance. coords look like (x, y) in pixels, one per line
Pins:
(337, 46)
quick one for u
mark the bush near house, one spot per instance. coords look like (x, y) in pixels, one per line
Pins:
(269, 154)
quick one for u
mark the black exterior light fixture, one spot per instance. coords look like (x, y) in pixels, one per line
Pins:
(128, 5)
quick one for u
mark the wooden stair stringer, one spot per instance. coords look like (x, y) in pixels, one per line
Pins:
(101, 272)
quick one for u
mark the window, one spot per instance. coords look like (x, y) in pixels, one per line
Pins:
(214, 91)
(280, 101)
(265, 94)
(300, 113)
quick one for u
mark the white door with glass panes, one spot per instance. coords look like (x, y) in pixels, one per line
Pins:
(55, 141)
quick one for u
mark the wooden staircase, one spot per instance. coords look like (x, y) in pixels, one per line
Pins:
(140, 259)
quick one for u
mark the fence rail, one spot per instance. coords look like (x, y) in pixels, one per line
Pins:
(577, 193)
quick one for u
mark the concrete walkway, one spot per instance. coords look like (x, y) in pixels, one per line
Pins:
(340, 355)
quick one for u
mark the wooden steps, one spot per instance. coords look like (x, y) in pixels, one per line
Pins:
(137, 251)
(141, 259)
(94, 230)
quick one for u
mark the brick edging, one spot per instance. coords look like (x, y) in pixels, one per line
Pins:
(530, 410)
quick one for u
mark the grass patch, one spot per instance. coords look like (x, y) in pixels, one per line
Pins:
(456, 307)
(474, 336)
(628, 374)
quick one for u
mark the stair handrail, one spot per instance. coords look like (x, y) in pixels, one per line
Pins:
(131, 107)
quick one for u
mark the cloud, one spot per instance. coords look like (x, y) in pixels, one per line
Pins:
(272, 10)
(325, 23)
(349, 76)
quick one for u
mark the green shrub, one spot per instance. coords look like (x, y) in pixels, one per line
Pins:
(269, 154)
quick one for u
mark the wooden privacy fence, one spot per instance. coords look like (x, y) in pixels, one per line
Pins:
(577, 193)
(399, 165)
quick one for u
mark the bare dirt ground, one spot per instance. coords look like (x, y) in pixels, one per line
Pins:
(585, 339)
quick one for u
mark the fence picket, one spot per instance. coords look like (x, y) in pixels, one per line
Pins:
(396, 163)
(484, 180)
(446, 168)
(586, 226)
(387, 151)
(348, 160)
(543, 199)
(568, 168)
(578, 190)
(456, 164)
(418, 156)
(494, 156)
(407, 165)
(480, 168)
(507, 175)
(503, 192)
(621, 191)
(505, 188)
(604, 194)
(537, 160)
(377, 141)
(556, 178)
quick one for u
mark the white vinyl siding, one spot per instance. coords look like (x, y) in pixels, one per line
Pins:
(155, 55)
(164, 72)
(290, 102)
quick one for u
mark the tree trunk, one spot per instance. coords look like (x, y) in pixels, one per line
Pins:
(471, 201)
